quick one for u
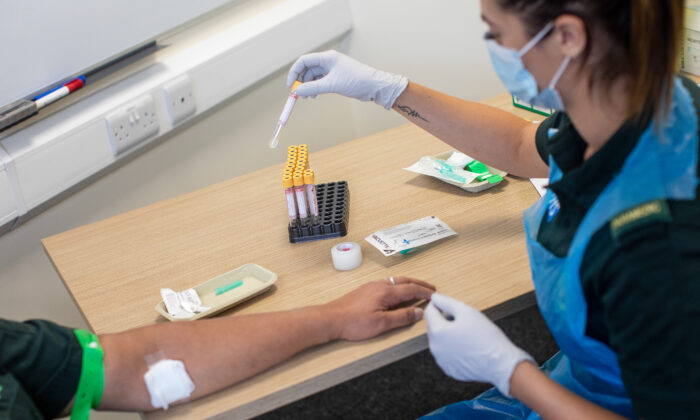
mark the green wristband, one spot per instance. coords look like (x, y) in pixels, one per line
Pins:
(89, 393)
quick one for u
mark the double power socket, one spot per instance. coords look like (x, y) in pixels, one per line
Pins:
(137, 121)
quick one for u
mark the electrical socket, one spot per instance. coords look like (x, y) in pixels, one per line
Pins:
(132, 124)
(179, 98)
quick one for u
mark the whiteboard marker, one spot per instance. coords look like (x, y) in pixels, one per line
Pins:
(53, 95)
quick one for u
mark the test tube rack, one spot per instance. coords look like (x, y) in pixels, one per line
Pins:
(333, 213)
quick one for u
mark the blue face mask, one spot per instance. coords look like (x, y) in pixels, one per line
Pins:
(518, 80)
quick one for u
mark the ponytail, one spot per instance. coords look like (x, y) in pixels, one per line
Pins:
(656, 28)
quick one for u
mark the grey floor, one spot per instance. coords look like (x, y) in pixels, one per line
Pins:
(415, 385)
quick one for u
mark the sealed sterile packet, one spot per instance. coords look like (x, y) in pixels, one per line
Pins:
(460, 170)
(402, 238)
(183, 304)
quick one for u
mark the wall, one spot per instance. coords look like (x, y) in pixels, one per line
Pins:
(438, 46)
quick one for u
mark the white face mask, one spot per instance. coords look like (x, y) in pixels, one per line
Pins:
(518, 80)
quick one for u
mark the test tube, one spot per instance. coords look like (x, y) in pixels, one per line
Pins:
(300, 195)
(311, 195)
(288, 184)
(286, 111)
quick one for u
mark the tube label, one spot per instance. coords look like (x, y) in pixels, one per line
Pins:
(311, 196)
(291, 100)
(291, 204)
(301, 201)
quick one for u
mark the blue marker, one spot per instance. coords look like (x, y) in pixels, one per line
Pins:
(59, 92)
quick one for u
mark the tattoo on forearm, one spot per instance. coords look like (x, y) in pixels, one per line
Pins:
(410, 112)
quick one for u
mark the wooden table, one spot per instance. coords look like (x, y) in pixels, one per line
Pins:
(114, 268)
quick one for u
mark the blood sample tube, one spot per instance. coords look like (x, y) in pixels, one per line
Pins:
(286, 111)
(300, 196)
(311, 195)
(288, 184)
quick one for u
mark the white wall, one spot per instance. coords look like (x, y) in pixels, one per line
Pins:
(435, 43)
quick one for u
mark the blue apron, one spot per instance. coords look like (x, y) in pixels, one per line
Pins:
(659, 167)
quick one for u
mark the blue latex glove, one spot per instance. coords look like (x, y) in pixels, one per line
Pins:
(470, 347)
(333, 72)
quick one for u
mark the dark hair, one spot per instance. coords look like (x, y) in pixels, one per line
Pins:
(641, 37)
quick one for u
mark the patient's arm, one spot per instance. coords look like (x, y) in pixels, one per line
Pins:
(222, 351)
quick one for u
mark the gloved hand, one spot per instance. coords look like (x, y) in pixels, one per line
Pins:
(470, 347)
(333, 72)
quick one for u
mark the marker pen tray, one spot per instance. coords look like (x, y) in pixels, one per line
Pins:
(333, 208)
(256, 280)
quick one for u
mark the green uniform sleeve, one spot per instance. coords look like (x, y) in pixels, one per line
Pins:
(45, 359)
(649, 292)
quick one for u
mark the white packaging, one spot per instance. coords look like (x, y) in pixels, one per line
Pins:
(431, 166)
(409, 235)
(690, 49)
(183, 304)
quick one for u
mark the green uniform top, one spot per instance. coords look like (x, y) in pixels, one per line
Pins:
(40, 364)
(640, 273)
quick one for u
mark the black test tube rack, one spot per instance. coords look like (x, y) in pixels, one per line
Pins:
(333, 212)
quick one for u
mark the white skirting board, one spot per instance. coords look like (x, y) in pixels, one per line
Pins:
(9, 210)
(72, 146)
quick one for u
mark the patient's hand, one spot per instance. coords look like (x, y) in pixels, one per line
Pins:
(367, 311)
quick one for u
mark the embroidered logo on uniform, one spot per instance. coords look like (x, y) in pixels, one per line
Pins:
(642, 214)
(552, 207)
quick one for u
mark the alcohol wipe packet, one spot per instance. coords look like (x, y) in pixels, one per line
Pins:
(402, 238)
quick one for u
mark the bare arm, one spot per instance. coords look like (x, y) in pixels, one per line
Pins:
(222, 351)
(551, 400)
(486, 133)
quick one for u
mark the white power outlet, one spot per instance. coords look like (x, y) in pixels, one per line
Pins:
(132, 124)
(179, 98)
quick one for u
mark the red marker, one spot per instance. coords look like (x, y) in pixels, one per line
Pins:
(56, 94)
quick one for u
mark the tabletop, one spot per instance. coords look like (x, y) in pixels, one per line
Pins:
(114, 268)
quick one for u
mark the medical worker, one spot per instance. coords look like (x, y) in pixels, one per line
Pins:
(614, 245)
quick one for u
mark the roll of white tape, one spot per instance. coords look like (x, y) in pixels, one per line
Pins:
(346, 256)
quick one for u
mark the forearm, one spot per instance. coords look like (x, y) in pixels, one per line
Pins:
(216, 352)
(551, 400)
(483, 132)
